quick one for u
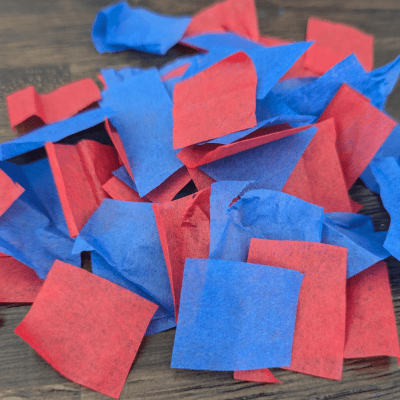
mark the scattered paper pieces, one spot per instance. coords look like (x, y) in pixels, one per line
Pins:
(90, 338)
(266, 265)
(217, 101)
(224, 304)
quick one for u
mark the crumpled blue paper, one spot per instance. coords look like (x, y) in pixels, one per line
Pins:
(271, 63)
(235, 316)
(263, 214)
(356, 233)
(162, 319)
(144, 124)
(389, 148)
(125, 235)
(33, 230)
(54, 132)
(119, 27)
(387, 173)
(270, 164)
(312, 99)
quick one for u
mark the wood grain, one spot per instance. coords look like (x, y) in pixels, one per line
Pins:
(47, 43)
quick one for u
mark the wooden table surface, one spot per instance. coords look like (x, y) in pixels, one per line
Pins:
(47, 43)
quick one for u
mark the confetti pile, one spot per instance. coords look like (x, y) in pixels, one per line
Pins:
(212, 194)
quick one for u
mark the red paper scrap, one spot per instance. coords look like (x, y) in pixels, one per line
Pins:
(333, 43)
(370, 320)
(237, 16)
(10, 191)
(318, 340)
(196, 155)
(170, 187)
(62, 103)
(79, 172)
(87, 328)
(318, 176)
(184, 230)
(200, 179)
(256, 375)
(361, 129)
(179, 71)
(18, 283)
(118, 190)
(215, 102)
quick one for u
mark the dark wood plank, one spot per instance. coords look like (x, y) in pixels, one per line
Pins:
(47, 43)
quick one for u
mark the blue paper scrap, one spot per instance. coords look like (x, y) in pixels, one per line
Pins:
(270, 164)
(356, 233)
(54, 132)
(119, 27)
(263, 214)
(144, 124)
(235, 316)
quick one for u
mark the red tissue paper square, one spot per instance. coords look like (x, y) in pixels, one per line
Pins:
(79, 172)
(18, 282)
(87, 328)
(333, 43)
(59, 104)
(216, 102)
(370, 320)
(361, 130)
